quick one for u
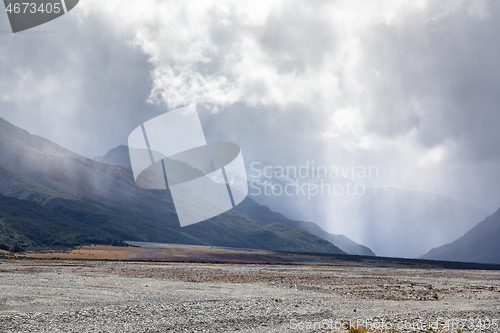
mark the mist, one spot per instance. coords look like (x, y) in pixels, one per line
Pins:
(411, 88)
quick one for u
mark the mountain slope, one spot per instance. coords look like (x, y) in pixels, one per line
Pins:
(480, 244)
(105, 198)
(390, 221)
(27, 223)
(116, 156)
(119, 156)
(264, 214)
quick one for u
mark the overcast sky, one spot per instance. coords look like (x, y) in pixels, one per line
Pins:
(412, 87)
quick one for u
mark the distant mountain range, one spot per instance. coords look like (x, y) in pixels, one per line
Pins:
(52, 196)
(392, 222)
(387, 219)
(120, 156)
(264, 214)
(480, 244)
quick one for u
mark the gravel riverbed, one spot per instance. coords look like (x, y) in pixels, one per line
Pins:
(174, 297)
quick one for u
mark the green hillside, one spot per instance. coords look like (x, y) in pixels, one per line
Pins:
(27, 224)
(65, 199)
(119, 156)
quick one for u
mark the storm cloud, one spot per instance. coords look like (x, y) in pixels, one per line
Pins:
(412, 87)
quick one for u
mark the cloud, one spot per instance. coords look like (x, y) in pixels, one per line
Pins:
(412, 87)
(394, 66)
(230, 52)
(76, 81)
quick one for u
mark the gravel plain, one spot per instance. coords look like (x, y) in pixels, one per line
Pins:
(97, 296)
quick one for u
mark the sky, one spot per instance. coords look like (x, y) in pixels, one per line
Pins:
(412, 87)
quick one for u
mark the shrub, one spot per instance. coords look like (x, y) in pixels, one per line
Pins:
(16, 248)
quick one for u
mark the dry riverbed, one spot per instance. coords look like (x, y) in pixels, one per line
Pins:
(78, 296)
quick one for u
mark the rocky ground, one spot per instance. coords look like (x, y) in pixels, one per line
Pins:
(153, 297)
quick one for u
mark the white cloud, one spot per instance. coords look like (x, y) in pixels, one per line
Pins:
(347, 127)
(432, 156)
(392, 83)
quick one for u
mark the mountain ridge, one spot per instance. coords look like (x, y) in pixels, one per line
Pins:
(480, 244)
(105, 197)
(390, 221)
(119, 156)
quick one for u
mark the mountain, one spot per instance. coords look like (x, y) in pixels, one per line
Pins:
(390, 221)
(119, 156)
(264, 214)
(27, 223)
(116, 156)
(78, 199)
(480, 244)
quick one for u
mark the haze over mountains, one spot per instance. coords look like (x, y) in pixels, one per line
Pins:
(480, 244)
(51, 196)
(120, 156)
(78, 200)
(392, 222)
